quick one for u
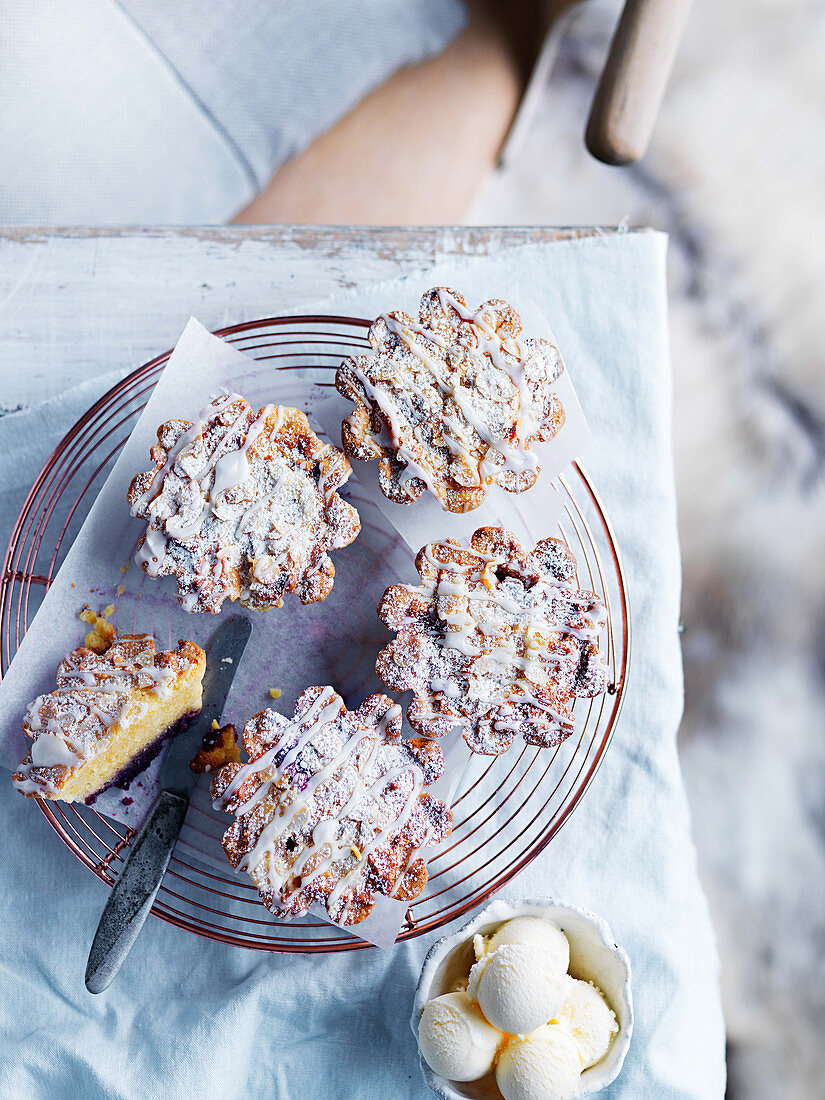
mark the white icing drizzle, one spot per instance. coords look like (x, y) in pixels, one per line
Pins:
(391, 829)
(329, 835)
(155, 485)
(323, 709)
(102, 693)
(225, 470)
(384, 402)
(449, 687)
(494, 347)
(388, 718)
(514, 722)
(50, 749)
(488, 559)
(162, 678)
(325, 833)
(508, 456)
(462, 625)
(454, 566)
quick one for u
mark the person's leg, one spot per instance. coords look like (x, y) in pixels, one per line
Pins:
(415, 150)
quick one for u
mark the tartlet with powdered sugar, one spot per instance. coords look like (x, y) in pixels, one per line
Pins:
(332, 807)
(495, 642)
(242, 505)
(108, 716)
(452, 402)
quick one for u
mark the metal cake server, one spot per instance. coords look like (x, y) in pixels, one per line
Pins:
(139, 880)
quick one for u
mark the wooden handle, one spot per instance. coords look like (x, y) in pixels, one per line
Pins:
(633, 82)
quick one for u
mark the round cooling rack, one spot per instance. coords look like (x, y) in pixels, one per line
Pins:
(507, 808)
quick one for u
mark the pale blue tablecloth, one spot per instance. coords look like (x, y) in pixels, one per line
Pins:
(188, 1017)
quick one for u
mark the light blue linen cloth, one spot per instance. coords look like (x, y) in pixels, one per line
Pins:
(187, 1017)
(159, 112)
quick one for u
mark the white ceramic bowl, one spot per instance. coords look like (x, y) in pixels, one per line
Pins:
(594, 956)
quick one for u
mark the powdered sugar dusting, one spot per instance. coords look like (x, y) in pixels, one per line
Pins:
(242, 506)
(71, 725)
(331, 807)
(451, 403)
(494, 642)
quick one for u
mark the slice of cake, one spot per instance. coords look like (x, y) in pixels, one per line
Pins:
(108, 717)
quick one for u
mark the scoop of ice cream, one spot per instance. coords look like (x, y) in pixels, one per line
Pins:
(534, 932)
(518, 987)
(589, 1020)
(455, 1039)
(544, 1065)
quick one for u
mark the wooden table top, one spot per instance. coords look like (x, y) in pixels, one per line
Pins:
(77, 303)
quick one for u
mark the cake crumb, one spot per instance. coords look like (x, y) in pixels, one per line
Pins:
(124, 568)
(102, 634)
(215, 725)
(226, 660)
(275, 693)
(108, 610)
(121, 588)
(219, 747)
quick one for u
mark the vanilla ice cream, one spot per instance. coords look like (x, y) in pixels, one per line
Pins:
(455, 1039)
(534, 932)
(544, 1065)
(518, 987)
(589, 1020)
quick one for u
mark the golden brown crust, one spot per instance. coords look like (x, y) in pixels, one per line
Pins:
(452, 402)
(243, 506)
(495, 641)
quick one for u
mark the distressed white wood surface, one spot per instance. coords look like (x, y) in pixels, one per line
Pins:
(77, 303)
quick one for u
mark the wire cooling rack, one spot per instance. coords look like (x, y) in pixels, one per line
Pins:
(507, 808)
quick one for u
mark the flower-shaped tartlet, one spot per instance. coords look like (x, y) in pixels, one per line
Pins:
(108, 716)
(451, 402)
(331, 808)
(495, 641)
(242, 506)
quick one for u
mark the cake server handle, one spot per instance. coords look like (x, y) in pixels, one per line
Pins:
(140, 877)
(130, 901)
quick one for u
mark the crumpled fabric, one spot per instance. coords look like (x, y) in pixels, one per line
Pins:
(188, 1017)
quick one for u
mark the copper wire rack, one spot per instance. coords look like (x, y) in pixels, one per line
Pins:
(507, 809)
